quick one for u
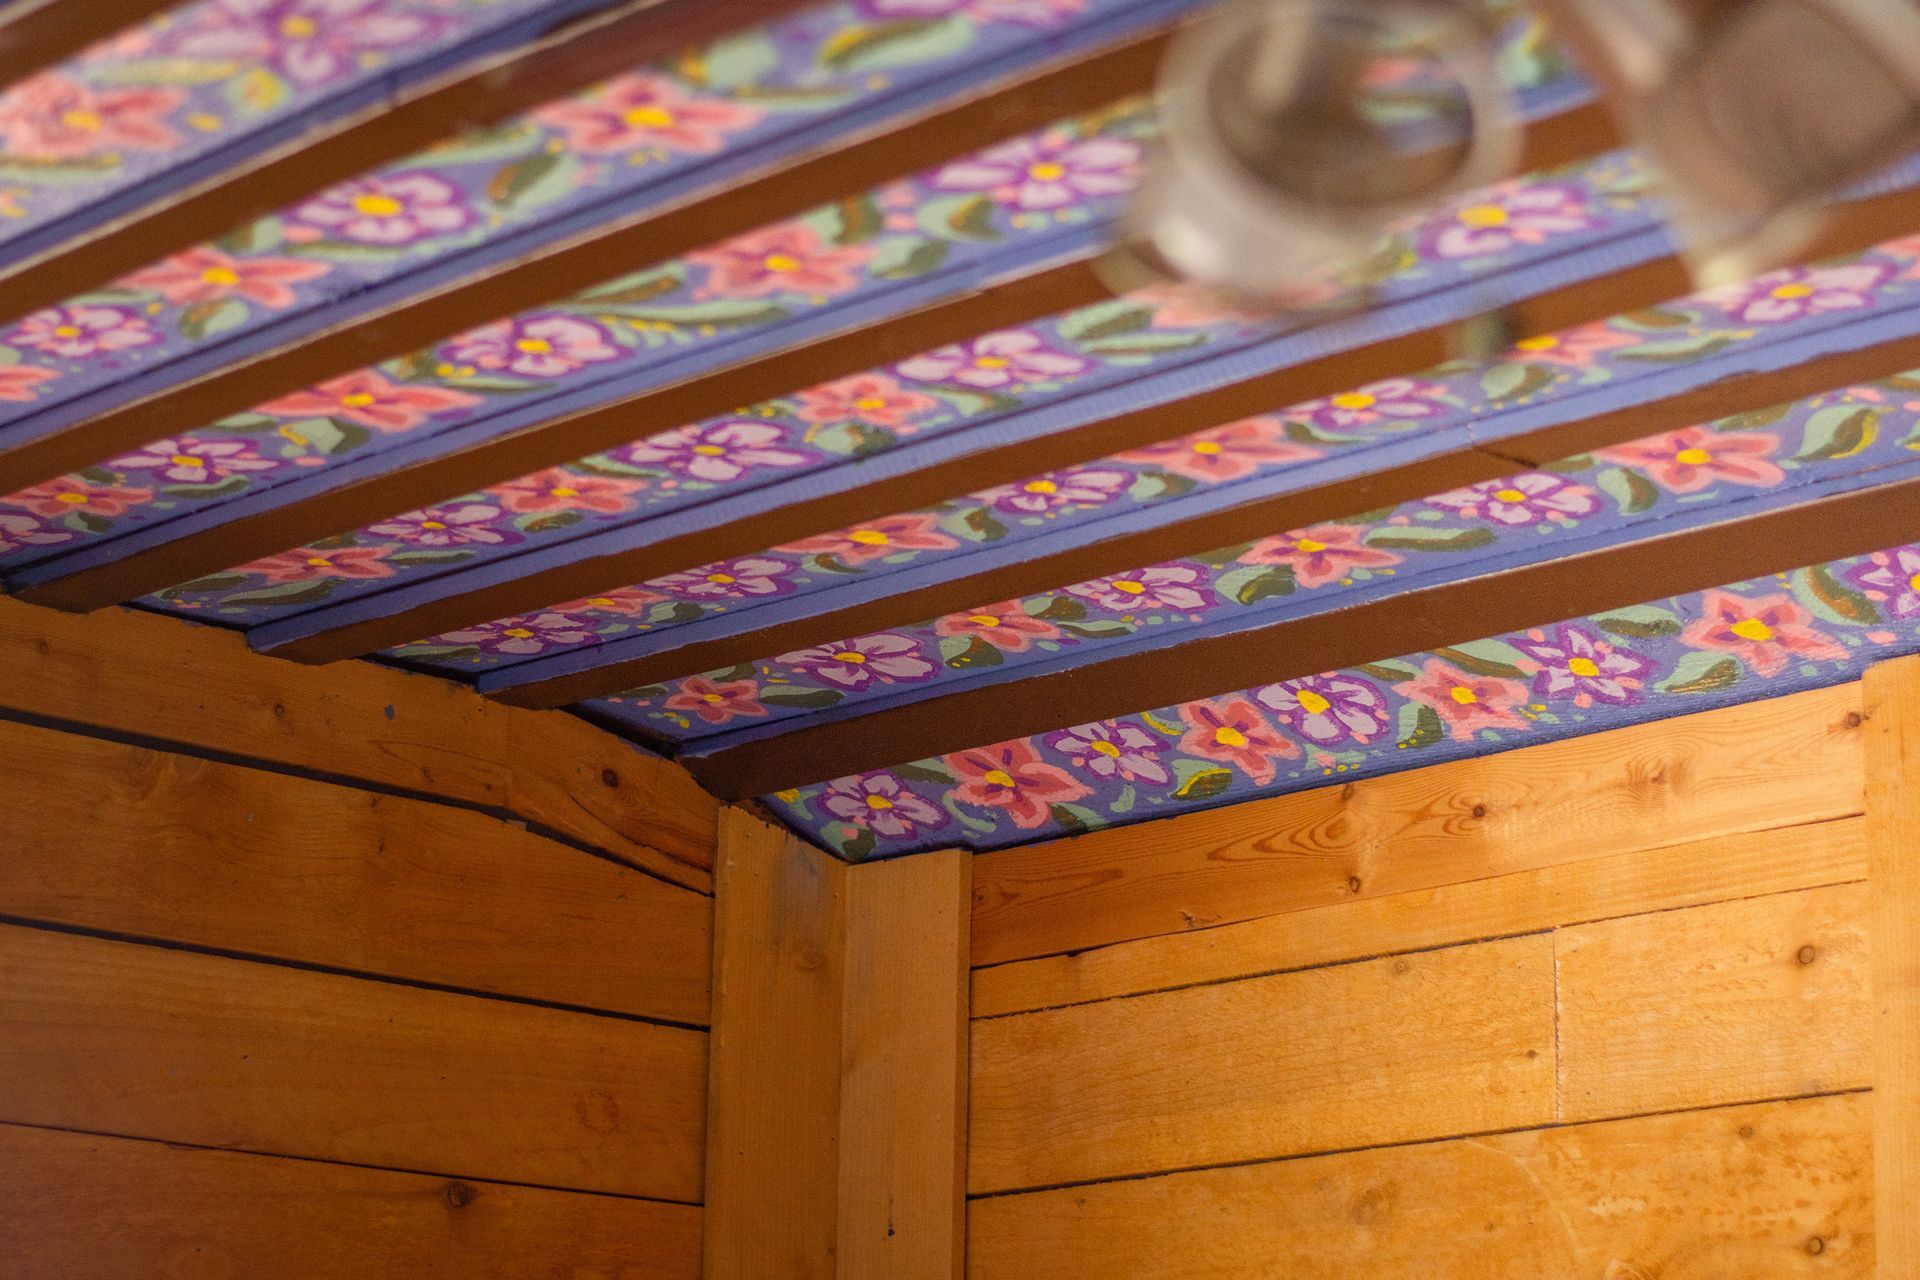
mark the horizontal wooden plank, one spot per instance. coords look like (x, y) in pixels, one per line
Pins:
(123, 1038)
(79, 1207)
(1391, 1050)
(128, 840)
(151, 677)
(1766, 764)
(1762, 998)
(1599, 888)
(36, 34)
(1782, 1190)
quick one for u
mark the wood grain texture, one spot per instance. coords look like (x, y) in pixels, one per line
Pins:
(1391, 1050)
(1893, 821)
(1733, 1002)
(903, 1070)
(1781, 1191)
(1520, 902)
(779, 979)
(131, 1039)
(79, 1207)
(1748, 768)
(161, 678)
(127, 840)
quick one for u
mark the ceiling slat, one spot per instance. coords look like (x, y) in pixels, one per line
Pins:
(38, 34)
(1537, 594)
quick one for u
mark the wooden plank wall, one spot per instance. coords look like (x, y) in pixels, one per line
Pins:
(1597, 1009)
(337, 973)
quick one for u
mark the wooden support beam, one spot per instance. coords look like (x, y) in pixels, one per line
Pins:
(837, 1088)
(1593, 581)
(1892, 707)
(37, 34)
(649, 659)
(607, 39)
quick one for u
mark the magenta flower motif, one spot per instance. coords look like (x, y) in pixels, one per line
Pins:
(454, 525)
(881, 803)
(788, 257)
(19, 531)
(388, 209)
(1516, 213)
(522, 636)
(1893, 579)
(1392, 400)
(1089, 487)
(1518, 501)
(996, 360)
(542, 345)
(1113, 749)
(1329, 709)
(83, 331)
(1046, 171)
(716, 452)
(1766, 634)
(729, 579)
(638, 110)
(1796, 292)
(310, 42)
(1576, 664)
(869, 660)
(1694, 458)
(185, 461)
(1180, 587)
(49, 117)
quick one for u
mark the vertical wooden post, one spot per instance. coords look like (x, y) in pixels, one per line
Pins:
(1892, 705)
(837, 1101)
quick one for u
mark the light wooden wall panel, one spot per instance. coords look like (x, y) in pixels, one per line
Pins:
(128, 840)
(1778, 1191)
(1749, 768)
(139, 1041)
(81, 1207)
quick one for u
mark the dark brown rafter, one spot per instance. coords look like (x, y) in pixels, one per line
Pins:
(1413, 622)
(37, 34)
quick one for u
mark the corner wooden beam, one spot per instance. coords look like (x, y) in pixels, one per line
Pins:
(1827, 528)
(38, 34)
(837, 1079)
(1892, 708)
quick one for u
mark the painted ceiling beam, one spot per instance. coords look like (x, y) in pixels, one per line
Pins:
(788, 186)
(1307, 495)
(1692, 553)
(574, 44)
(38, 34)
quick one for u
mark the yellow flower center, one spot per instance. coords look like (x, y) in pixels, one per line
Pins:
(519, 633)
(1310, 702)
(998, 777)
(356, 399)
(319, 562)
(1041, 486)
(868, 404)
(1308, 545)
(868, 537)
(66, 331)
(1509, 495)
(850, 655)
(1463, 695)
(708, 450)
(723, 579)
(1693, 457)
(71, 499)
(991, 362)
(1107, 749)
(220, 275)
(1228, 736)
(1583, 667)
(711, 699)
(1207, 447)
(1129, 586)
(1792, 291)
(89, 121)
(1544, 342)
(983, 620)
(648, 118)
(1913, 583)
(601, 602)
(879, 802)
(1047, 171)
(533, 346)
(297, 27)
(1483, 215)
(433, 524)
(1752, 629)
(1353, 400)
(182, 460)
(375, 205)
(785, 263)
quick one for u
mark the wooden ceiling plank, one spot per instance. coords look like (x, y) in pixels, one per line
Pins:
(36, 35)
(783, 188)
(1704, 553)
(1194, 527)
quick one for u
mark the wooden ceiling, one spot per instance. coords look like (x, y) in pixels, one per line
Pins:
(745, 378)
